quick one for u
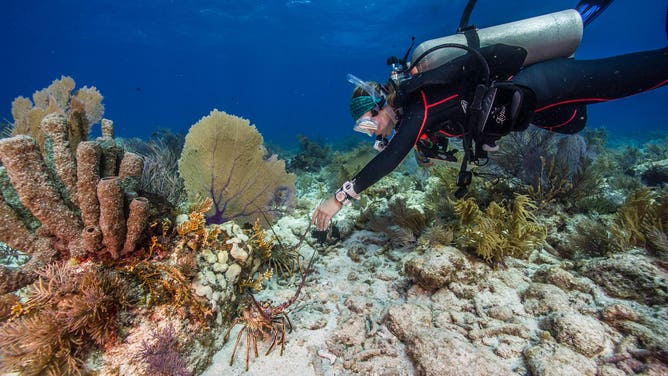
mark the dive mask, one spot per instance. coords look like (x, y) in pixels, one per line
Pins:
(374, 101)
(367, 125)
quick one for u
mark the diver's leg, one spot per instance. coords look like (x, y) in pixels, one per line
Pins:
(568, 81)
(564, 86)
(566, 119)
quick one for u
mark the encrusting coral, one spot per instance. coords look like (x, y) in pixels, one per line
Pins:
(80, 209)
(224, 158)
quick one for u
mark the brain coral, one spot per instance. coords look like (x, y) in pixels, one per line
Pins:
(224, 158)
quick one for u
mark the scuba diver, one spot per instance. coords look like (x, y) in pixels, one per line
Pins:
(479, 85)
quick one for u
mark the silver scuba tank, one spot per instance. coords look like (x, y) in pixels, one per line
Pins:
(544, 37)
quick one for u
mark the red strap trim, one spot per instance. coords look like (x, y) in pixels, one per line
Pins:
(424, 118)
(658, 85)
(427, 106)
(552, 127)
(441, 101)
(451, 135)
(594, 100)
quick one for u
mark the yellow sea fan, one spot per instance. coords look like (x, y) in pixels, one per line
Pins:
(224, 158)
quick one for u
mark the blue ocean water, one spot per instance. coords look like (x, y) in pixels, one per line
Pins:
(280, 63)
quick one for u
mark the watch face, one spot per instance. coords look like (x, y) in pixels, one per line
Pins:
(340, 196)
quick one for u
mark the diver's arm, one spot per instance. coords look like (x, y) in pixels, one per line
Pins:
(384, 163)
(395, 152)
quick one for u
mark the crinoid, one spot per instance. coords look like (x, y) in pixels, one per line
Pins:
(162, 354)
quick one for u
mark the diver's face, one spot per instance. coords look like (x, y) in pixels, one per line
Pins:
(385, 121)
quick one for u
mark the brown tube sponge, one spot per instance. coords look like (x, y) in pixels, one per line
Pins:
(111, 154)
(137, 219)
(26, 170)
(13, 231)
(130, 171)
(91, 239)
(56, 128)
(88, 175)
(112, 218)
(131, 166)
(107, 128)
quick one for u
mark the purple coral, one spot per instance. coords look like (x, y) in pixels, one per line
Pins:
(162, 355)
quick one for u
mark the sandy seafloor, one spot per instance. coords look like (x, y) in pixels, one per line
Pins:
(320, 311)
(539, 316)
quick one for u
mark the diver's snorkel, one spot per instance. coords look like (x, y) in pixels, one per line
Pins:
(365, 86)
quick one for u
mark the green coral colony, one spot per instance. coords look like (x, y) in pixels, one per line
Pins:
(98, 245)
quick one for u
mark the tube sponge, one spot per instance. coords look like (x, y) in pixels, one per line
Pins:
(88, 175)
(136, 224)
(56, 129)
(112, 216)
(26, 170)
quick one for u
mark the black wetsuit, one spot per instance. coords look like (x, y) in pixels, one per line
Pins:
(555, 96)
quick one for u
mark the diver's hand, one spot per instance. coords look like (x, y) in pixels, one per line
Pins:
(324, 213)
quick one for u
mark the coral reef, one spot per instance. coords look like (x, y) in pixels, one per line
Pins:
(160, 175)
(81, 211)
(551, 168)
(223, 158)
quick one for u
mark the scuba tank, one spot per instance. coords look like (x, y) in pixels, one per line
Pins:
(544, 37)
